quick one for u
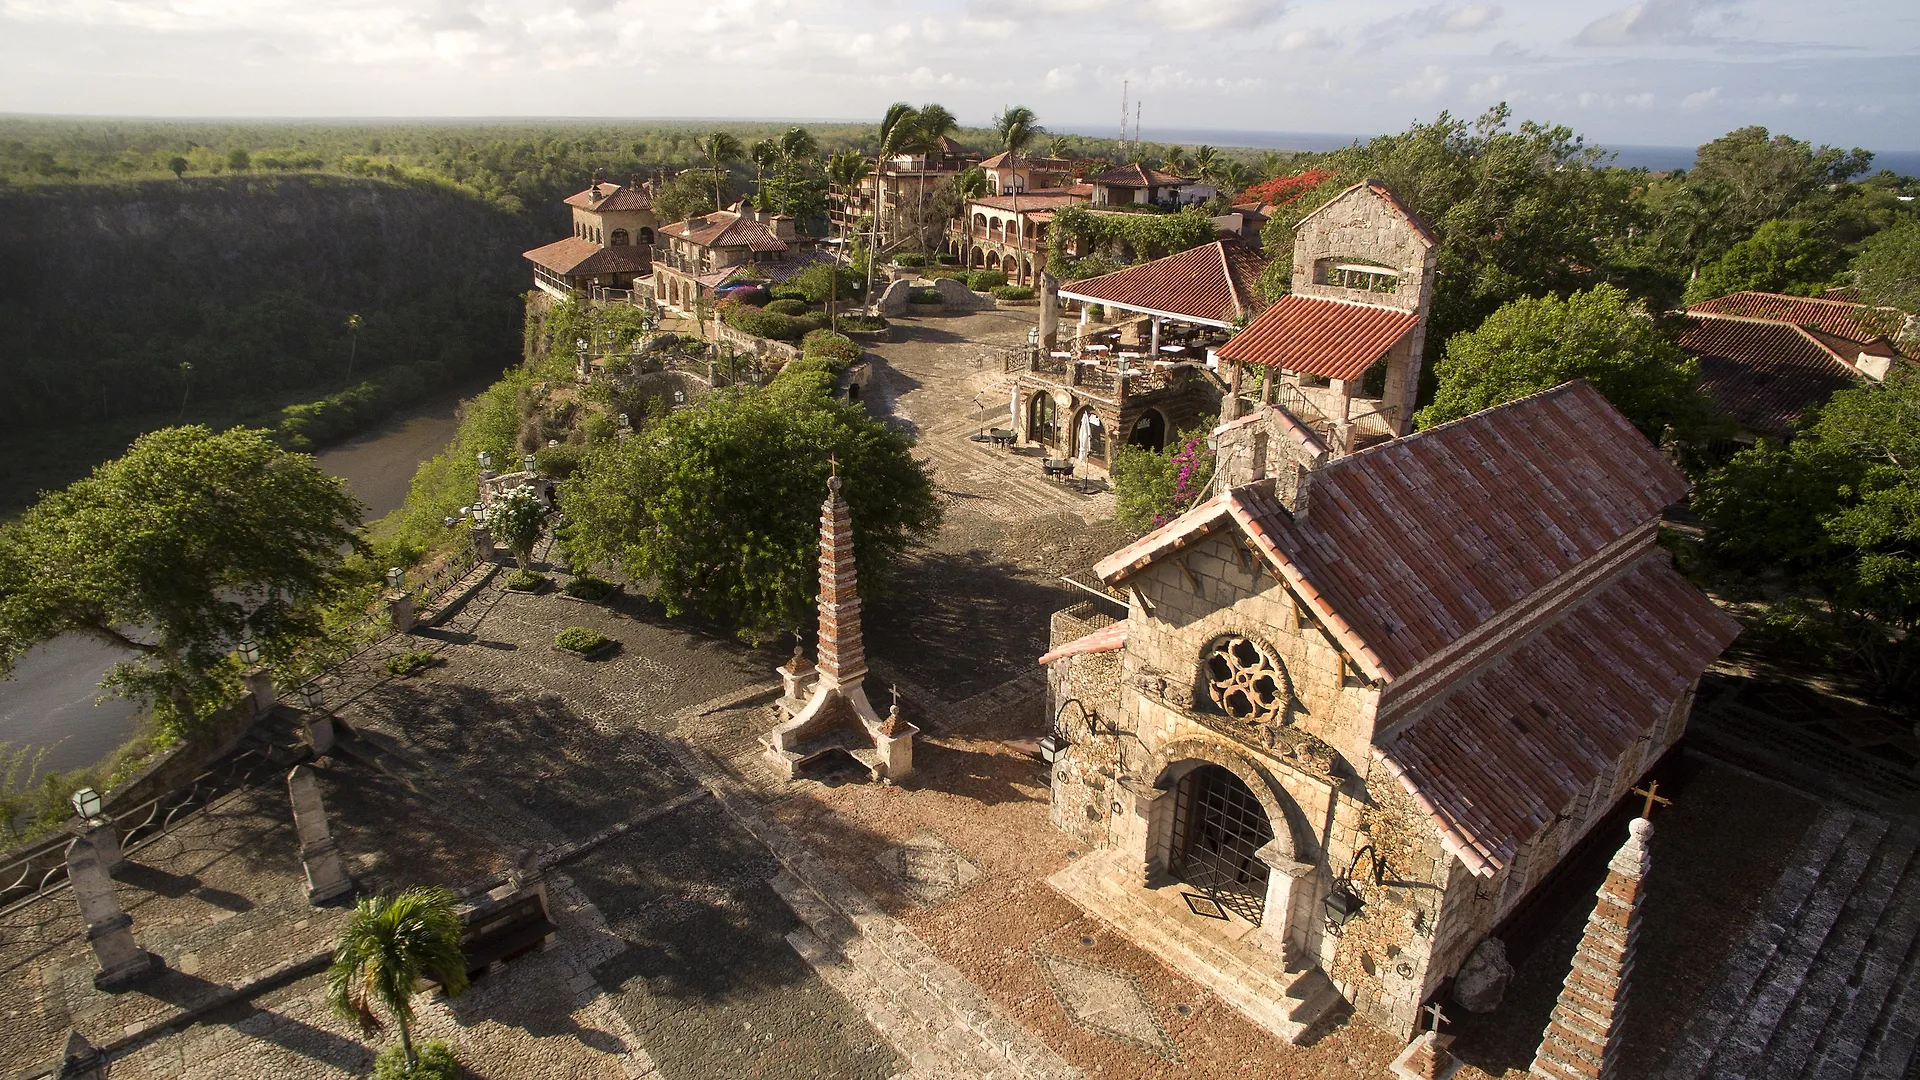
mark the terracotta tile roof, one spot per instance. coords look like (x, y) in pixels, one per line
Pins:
(576, 256)
(1506, 750)
(1842, 319)
(1005, 160)
(1105, 639)
(1765, 375)
(1138, 176)
(1332, 338)
(1206, 516)
(614, 197)
(1418, 541)
(1213, 282)
(1044, 199)
(725, 228)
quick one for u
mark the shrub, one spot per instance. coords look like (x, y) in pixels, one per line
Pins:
(558, 462)
(816, 283)
(863, 323)
(788, 307)
(588, 587)
(924, 296)
(945, 259)
(1013, 292)
(409, 662)
(788, 292)
(580, 639)
(525, 581)
(910, 259)
(982, 280)
(436, 1063)
(835, 348)
(953, 272)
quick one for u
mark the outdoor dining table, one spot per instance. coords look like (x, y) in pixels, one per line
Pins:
(1057, 467)
(1058, 355)
(1173, 348)
(1099, 348)
(1001, 437)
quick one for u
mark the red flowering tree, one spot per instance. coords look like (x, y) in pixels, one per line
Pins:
(1282, 190)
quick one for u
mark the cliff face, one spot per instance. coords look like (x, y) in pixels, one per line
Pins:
(106, 290)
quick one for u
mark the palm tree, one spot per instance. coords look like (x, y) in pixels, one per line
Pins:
(721, 149)
(933, 124)
(389, 942)
(970, 184)
(1060, 147)
(1205, 160)
(1017, 126)
(1174, 159)
(897, 130)
(765, 155)
(798, 150)
(1270, 165)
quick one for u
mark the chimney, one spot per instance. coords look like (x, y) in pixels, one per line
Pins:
(697, 222)
(784, 228)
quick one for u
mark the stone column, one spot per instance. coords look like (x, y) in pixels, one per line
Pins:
(482, 543)
(894, 742)
(259, 682)
(1289, 881)
(78, 1059)
(400, 610)
(1153, 345)
(320, 732)
(1145, 829)
(326, 873)
(796, 680)
(1049, 311)
(106, 841)
(123, 963)
(1230, 408)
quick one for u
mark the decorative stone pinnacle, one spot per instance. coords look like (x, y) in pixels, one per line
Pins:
(1582, 1040)
(842, 654)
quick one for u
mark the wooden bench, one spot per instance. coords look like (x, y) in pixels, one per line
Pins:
(505, 929)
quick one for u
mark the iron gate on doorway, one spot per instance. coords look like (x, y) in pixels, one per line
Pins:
(1218, 825)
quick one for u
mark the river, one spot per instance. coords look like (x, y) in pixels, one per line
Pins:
(49, 702)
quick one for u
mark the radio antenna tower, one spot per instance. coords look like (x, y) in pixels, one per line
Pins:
(1123, 118)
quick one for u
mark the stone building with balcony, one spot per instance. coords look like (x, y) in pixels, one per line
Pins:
(1360, 707)
(906, 182)
(1009, 232)
(700, 254)
(611, 245)
(1137, 185)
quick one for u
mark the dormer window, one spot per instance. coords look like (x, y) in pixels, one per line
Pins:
(1353, 273)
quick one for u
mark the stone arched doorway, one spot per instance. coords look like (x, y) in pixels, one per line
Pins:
(1219, 831)
(1089, 436)
(1149, 431)
(1042, 419)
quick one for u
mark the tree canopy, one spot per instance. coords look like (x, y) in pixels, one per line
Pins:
(1781, 256)
(1601, 335)
(718, 504)
(1887, 270)
(1837, 513)
(176, 550)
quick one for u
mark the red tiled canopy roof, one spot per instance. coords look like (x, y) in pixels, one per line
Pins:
(1044, 199)
(1508, 749)
(1312, 336)
(724, 228)
(1213, 282)
(576, 256)
(613, 197)
(1105, 639)
(1765, 375)
(1843, 319)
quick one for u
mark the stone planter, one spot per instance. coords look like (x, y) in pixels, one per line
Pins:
(602, 602)
(600, 653)
(883, 334)
(1035, 302)
(546, 583)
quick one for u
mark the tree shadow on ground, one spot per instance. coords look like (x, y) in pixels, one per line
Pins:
(959, 624)
(534, 752)
(288, 1033)
(977, 776)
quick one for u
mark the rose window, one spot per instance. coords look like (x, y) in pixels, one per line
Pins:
(1246, 682)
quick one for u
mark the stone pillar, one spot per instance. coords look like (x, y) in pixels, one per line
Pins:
(400, 610)
(1153, 345)
(843, 655)
(796, 680)
(482, 543)
(1426, 1058)
(1230, 408)
(1049, 311)
(259, 683)
(1144, 829)
(326, 873)
(106, 841)
(1582, 1041)
(894, 741)
(1289, 881)
(123, 963)
(319, 732)
(77, 1060)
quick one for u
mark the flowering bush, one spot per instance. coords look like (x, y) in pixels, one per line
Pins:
(1152, 488)
(1282, 190)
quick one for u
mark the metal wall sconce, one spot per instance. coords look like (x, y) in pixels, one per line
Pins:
(1342, 905)
(312, 696)
(396, 578)
(249, 650)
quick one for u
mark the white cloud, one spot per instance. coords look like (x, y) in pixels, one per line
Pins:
(1700, 99)
(1430, 83)
(1649, 22)
(1488, 87)
(1466, 20)
(1304, 38)
(1061, 78)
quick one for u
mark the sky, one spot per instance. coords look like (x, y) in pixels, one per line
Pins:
(1656, 72)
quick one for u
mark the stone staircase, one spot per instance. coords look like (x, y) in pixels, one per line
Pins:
(1290, 1003)
(1827, 983)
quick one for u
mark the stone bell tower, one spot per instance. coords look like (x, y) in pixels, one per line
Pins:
(836, 714)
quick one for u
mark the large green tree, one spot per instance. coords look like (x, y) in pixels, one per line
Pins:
(1601, 335)
(1752, 176)
(1837, 513)
(718, 504)
(721, 149)
(1887, 270)
(175, 550)
(1781, 256)
(387, 946)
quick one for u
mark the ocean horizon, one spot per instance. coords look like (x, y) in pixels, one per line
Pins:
(1627, 155)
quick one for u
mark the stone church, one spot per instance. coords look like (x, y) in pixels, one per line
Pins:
(1361, 704)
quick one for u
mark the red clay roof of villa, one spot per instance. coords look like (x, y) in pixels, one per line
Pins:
(1105, 639)
(576, 256)
(1843, 319)
(614, 197)
(1508, 749)
(1331, 338)
(1213, 281)
(1138, 176)
(1044, 199)
(1408, 546)
(1765, 375)
(724, 228)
